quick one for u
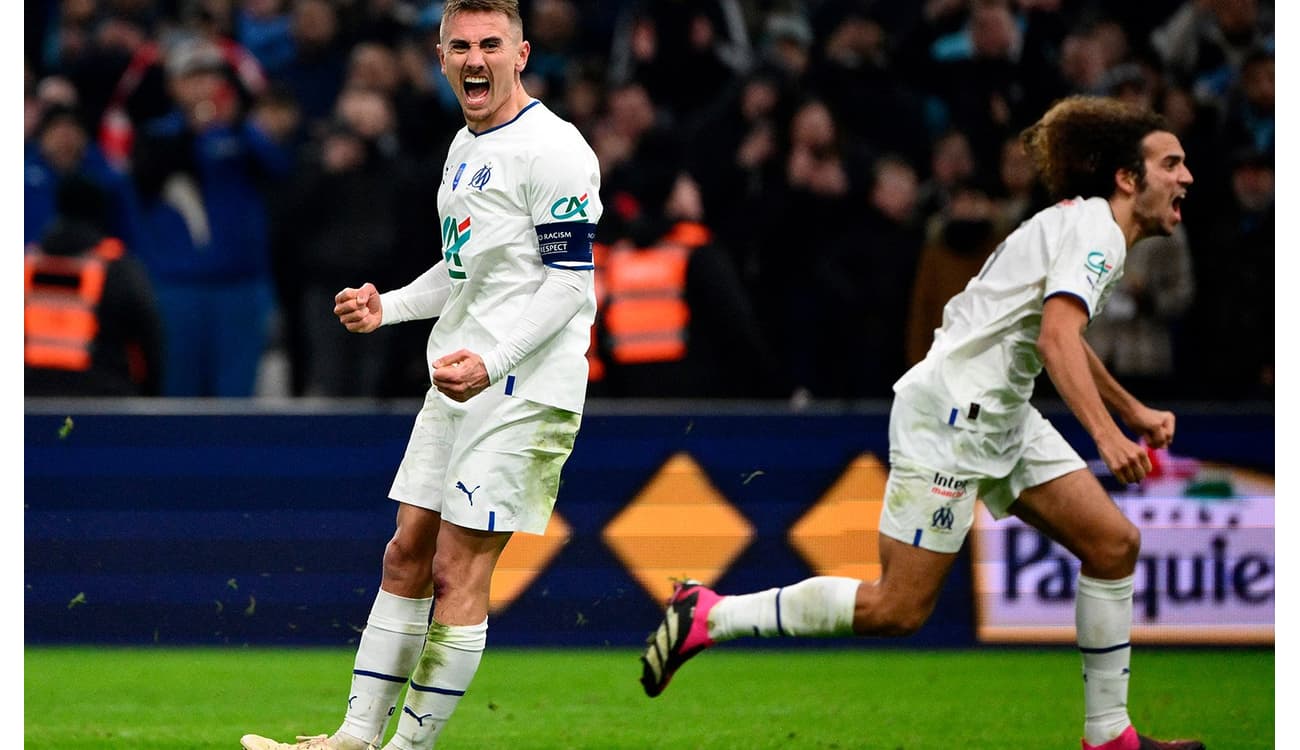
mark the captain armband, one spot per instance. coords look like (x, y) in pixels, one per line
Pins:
(567, 244)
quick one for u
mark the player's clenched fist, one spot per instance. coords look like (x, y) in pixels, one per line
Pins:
(359, 310)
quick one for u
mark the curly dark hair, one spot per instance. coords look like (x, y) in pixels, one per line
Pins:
(1081, 142)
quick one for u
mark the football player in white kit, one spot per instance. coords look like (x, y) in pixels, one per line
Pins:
(514, 297)
(962, 427)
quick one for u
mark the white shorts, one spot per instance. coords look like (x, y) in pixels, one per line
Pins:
(492, 463)
(938, 470)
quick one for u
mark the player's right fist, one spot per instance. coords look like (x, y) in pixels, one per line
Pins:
(359, 310)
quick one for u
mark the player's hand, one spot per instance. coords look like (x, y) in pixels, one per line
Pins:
(1153, 425)
(1127, 461)
(359, 310)
(460, 375)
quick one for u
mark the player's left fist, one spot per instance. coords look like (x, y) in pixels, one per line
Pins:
(460, 375)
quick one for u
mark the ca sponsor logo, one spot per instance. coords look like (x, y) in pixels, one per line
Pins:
(454, 237)
(567, 208)
(1097, 267)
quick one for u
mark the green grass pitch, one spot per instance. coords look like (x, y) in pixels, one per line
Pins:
(726, 699)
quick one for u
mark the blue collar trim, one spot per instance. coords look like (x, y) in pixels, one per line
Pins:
(531, 104)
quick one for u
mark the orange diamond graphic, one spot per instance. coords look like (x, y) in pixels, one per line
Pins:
(524, 558)
(678, 525)
(837, 536)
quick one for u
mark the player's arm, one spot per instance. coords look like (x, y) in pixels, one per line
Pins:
(363, 309)
(462, 374)
(1155, 425)
(1067, 359)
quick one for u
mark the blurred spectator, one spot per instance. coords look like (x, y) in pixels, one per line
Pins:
(958, 242)
(201, 172)
(264, 28)
(91, 327)
(787, 45)
(1227, 346)
(60, 148)
(1134, 335)
(552, 25)
(682, 51)
(1018, 195)
(422, 125)
(824, 180)
(1249, 109)
(952, 163)
(862, 280)
(673, 320)
(1204, 44)
(853, 76)
(340, 221)
(640, 156)
(735, 153)
(315, 73)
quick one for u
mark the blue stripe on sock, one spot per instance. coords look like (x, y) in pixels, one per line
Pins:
(1104, 649)
(916, 540)
(377, 675)
(431, 689)
(779, 629)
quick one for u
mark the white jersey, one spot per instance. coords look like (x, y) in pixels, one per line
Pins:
(980, 369)
(515, 199)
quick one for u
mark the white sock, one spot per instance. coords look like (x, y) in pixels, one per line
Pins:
(447, 666)
(390, 644)
(819, 606)
(1103, 618)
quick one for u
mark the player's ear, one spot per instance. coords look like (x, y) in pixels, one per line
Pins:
(442, 61)
(522, 62)
(1126, 181)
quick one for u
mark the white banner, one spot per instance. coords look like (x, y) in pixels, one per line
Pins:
(1206, 572)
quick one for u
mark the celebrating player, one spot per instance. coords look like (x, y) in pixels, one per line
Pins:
(961, 425)
(514, 298)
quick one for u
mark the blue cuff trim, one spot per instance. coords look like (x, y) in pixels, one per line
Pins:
(1082, 301)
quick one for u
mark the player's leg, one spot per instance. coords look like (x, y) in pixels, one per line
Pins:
(896, 604)
(456, 636)
(391, 641)
(1075, 511)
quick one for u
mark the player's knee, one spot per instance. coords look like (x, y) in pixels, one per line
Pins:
(1115, 555)
(405, 562)
(899, 620)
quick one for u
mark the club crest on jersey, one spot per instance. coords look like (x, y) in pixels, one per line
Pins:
(454, 237)
(455, 181)
(1097, 267)
(567, 208)
(481, 177)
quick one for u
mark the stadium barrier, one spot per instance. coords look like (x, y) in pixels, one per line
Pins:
(194, 522)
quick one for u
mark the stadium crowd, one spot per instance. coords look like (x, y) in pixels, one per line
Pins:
(793, 189)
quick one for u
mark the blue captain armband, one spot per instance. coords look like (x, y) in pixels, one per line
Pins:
(567, 244)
